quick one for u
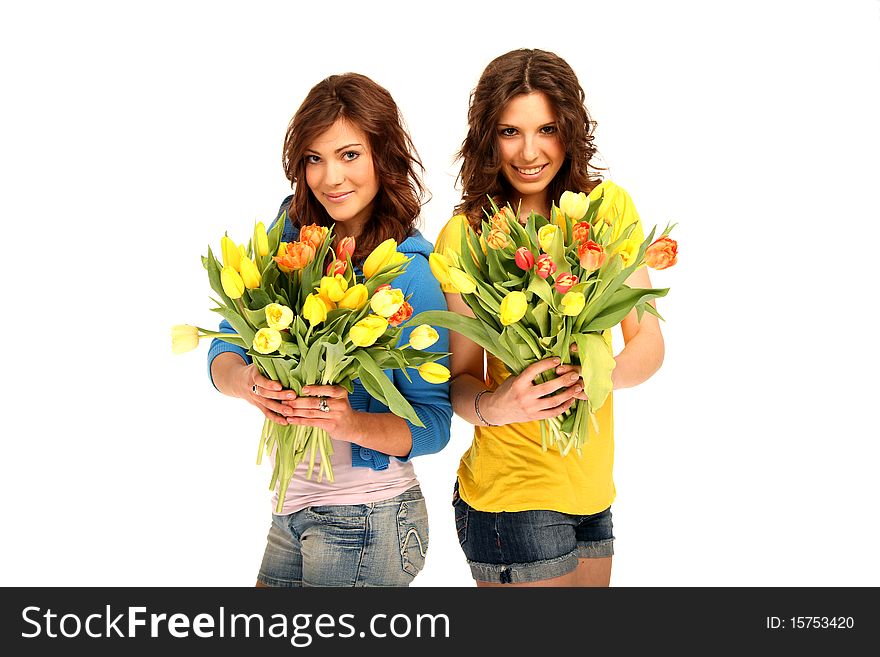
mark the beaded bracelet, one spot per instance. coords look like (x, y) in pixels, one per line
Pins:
(477, 408)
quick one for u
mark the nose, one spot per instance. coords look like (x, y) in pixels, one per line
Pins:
(334, 174)
(529, 149)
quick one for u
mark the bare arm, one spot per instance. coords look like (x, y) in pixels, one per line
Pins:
(644, 350)
(518, 399)
(233, 377)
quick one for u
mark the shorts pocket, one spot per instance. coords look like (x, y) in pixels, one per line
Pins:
(412, 534)
(461, 521)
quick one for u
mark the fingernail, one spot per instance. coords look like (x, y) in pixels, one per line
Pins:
(291, 395)
(574, 377)
(557, 360)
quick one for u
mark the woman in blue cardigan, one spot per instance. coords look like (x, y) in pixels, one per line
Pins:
(352, 166)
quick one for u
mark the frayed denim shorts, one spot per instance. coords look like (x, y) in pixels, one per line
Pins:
(377, 544)
(529, 546)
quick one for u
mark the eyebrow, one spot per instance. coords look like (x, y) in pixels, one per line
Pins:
(338, 150)
(511, 125)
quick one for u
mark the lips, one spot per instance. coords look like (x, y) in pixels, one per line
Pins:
(337, 197)
(529, 173)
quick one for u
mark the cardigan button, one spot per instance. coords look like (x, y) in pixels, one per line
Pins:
(366, 454)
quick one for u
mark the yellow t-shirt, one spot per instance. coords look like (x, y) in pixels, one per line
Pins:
(505, 469)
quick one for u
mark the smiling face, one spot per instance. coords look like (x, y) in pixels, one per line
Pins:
(341, 175)
(530, 148)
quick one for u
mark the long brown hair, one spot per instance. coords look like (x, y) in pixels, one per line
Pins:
(519, 72)
(358, 99)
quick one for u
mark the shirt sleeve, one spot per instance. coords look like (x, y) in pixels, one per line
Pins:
(430, 401)
(449, 243)
(618, 203)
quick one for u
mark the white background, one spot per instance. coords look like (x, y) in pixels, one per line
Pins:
(134, 135)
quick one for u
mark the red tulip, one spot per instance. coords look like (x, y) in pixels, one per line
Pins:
(524, 258)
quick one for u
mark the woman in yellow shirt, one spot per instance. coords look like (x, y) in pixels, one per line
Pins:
(525, 517)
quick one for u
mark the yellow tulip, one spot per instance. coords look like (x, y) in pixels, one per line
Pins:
(398, 258)
(423, 336)
(386, 301)
(333, 287)
(184, 338)
(574, 205)
(314, 309)
(278, 317)
(545, 236)
(440, 265)
(434, 373)
(380, 257)
(497, 239)
(462, 281)
(573, 303)
(267, 340)
(250, 274)
(368, 330)
(355, 297)
(231, 281)
(628, 250)
(231, 254)
(261, 240)
(513, 307)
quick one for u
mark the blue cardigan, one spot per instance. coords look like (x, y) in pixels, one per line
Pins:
(430, 401)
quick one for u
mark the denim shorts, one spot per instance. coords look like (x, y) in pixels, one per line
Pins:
(377, 544)
(529, 546)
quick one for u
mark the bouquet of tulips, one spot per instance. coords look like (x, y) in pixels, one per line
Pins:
(306, 316)
(551, 288)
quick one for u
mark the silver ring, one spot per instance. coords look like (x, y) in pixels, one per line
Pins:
(254, 388)
(323, 406)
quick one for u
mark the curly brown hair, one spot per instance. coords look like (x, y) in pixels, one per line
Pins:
(517, 72)
(369, 107)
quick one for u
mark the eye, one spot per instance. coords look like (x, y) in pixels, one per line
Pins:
(348, 156)
(548, 130)
(312, 159)
(507, 132)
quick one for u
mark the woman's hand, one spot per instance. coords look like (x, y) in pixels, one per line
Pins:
(520, 399)
(338, 418)
(265, 394)
(563, 370)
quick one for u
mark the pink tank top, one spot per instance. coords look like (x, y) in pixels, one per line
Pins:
(350, 485)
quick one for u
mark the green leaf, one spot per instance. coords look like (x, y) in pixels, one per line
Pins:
(311, 364)
(334, 353)
(593, 208)
(557, 253)
(240, 325)
(276, 232)
(470, 244)
(381, 388)
(541, 313)
(473, 329)
(619, 305)
(597, 363)
(542, 288)
(259, 299)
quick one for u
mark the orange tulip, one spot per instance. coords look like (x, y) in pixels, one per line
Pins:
(313, 234)
(497, 239)
(592, 255)
(403, 313)
(662, 253)
(499, 220)
(580, 232)
(294, 256)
